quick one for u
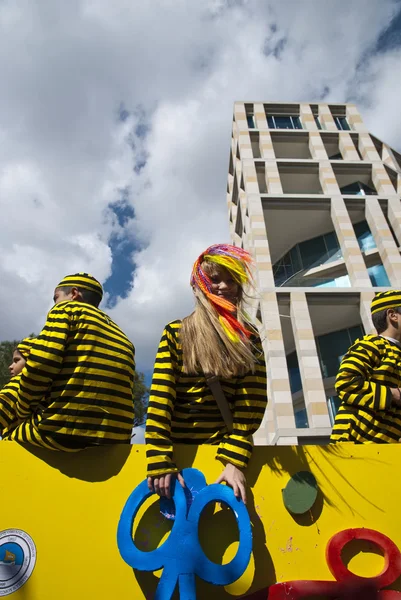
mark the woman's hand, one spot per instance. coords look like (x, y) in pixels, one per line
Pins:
(162, 485)
(236, 479)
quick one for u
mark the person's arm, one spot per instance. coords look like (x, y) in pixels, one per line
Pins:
(159, 447)
(249, 408)
(353, 383)
(45, 360)
(8, 401)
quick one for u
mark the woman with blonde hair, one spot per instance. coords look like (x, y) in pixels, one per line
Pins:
(214, 347)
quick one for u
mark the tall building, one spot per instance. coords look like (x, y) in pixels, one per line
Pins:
(316, 199)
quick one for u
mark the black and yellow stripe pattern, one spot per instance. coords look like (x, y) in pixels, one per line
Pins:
(8, 405)
(79, 378)
(82, 280)
(182, 408)
(367, 372)
(385, 300)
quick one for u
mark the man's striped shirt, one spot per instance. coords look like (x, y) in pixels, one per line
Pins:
(182, 408)
(367, 372)
(81, 368)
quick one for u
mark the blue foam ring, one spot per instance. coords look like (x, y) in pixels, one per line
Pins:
(181, 554)
(194, 483)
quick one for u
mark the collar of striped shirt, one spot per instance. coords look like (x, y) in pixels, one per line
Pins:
(396, 342)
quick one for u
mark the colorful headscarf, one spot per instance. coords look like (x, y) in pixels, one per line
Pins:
(82, 280)
(25, 346)
(384, 300)
(237, 261)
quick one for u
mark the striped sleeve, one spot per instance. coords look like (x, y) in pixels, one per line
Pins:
(44, 362)
(353, 383)
(8, 401)
(249, 407)
(159, 447)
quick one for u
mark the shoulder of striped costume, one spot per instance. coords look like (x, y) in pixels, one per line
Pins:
(369, 340)
(12, 384)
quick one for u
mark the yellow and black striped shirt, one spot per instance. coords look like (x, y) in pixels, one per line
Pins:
(182, 408)
(367, 372)
(83, 365)
(8, 404)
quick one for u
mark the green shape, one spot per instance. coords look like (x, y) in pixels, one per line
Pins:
(300, 493)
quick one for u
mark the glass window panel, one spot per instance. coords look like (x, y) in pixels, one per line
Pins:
(351, 188)
(318, 123)
(367, 189)
(355, 333)
(301, 418)
(294, 373)
(334, 404)
(283, 123)
(364, 236)
(344, 124)
(295, 258)
(331, 349)
(343, 281)
(378, 276)
(333, 247)
(324, 283)
(270, 122)
(296, 122)
(251, 121)
(313, 252)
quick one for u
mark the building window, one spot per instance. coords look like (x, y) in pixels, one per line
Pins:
(331, 348)
(318, 125)
(290, 269)
(342, 123)
(364, 236)
(358, 189)
(301, 418)
(378, 276)
(294, 373)
(251, 121)
(333, 404)
(282, 122)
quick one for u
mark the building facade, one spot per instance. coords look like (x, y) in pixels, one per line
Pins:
(316, 199)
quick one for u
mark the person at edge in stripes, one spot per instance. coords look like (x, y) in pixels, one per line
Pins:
(216, 339)
(369, 379)
(9, 393)
(76, 389)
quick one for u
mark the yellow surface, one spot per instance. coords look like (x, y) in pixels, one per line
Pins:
(70, 505)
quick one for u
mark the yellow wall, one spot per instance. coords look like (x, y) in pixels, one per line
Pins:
(70, 505)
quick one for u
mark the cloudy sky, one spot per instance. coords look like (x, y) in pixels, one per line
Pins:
(115, 124)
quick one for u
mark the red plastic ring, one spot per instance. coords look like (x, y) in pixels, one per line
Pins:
(392, 556)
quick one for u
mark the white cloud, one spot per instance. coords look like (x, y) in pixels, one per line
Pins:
(64, 155)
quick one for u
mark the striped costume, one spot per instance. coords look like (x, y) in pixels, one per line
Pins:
(76, 389)
(8, 405)
(182, 409)
(371, 366)
(9, 393)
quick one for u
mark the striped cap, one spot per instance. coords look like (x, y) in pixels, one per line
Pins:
(384, 300)
(24, 347)
(82, 280)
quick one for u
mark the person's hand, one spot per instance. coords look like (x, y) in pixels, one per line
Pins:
(162, 485)
(396, 394)
(236, 479)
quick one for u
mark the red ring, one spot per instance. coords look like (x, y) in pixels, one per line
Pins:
(392, 556)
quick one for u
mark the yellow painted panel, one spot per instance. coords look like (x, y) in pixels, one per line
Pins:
(70, 506)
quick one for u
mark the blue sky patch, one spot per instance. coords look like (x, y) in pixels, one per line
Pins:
(122, 247)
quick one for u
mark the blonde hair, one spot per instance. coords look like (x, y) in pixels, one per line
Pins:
(206, 348)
